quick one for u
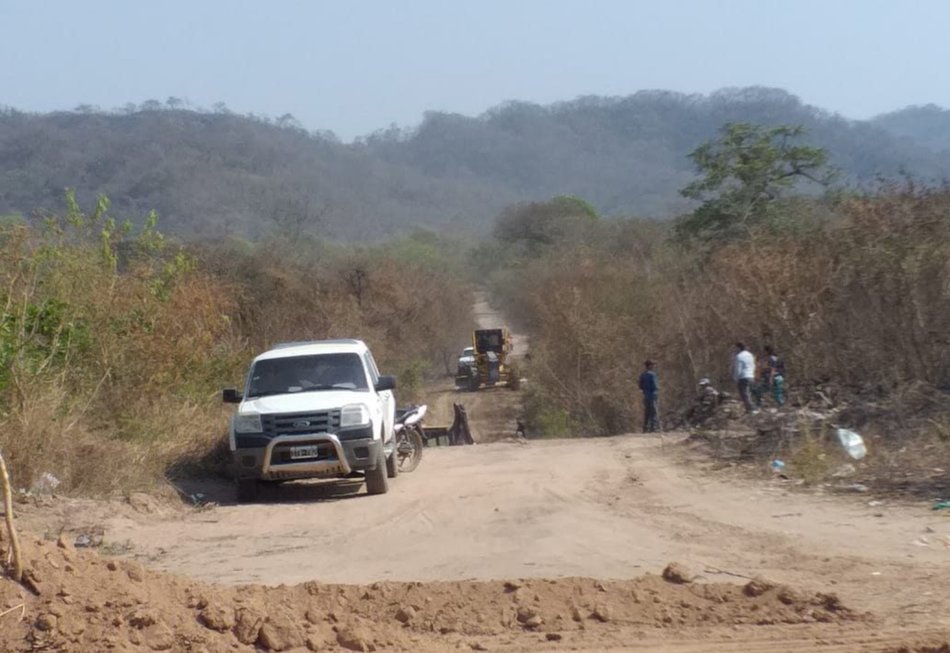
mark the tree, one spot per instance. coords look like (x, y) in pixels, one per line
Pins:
(288, 121)
(296, 213)
(534, 226)
(744, 173)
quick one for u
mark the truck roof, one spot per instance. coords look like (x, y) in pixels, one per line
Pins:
(312, 347)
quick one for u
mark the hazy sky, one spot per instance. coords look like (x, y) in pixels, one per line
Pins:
(355, 66)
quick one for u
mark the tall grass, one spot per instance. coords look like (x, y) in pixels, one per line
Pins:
(114, 344)
(859, 300)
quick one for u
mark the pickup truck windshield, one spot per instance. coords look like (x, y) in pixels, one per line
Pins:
(307, 374)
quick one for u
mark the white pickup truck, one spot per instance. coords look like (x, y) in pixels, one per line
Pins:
(313, 410)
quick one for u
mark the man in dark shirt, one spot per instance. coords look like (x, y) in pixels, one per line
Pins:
(650, 387)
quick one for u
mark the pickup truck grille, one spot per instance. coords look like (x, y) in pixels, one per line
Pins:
(300, 423)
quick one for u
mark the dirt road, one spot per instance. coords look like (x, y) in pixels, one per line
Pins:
(604, 509)
(492, 411)
(601, 508)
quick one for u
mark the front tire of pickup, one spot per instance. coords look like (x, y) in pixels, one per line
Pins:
(247, 490)
(376, 482)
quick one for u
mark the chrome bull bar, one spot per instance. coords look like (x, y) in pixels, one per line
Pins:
(338, 466)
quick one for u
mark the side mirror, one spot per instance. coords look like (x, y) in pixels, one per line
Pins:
(231, 396)
(386, 383)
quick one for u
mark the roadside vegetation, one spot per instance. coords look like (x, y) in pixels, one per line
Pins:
(851, 288)
(115, 342)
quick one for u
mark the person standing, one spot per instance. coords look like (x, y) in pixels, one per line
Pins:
(762, 383)
(743, 372)
(776, 375)
(650, 387)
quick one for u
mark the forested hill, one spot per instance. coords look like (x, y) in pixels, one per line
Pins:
(928, 125)
(212, 173)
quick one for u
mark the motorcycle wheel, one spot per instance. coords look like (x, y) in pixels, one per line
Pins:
(409, 449)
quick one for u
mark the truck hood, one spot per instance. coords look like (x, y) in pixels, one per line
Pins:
(305, 402)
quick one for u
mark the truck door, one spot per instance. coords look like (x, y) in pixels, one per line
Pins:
(387, 402)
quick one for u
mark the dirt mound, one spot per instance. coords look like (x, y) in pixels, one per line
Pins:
(78, 601)
(922, 647)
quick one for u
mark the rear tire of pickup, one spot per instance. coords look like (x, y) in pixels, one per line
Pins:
(247, 490)
(392, 462)
(376, 482)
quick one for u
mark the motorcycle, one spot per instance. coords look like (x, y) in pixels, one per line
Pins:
(409, 437)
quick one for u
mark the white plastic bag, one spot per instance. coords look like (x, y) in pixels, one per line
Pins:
(46, 484)
(852, 443)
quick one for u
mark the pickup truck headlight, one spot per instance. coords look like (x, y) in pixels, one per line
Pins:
(247, 423)
(354, 415)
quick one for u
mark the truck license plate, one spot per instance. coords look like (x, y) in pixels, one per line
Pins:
(307, 451)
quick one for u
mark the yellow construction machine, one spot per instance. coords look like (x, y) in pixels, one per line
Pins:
(489, 363)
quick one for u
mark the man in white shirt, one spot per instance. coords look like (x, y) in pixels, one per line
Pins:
(743, 372)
